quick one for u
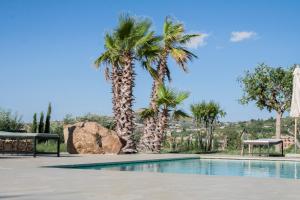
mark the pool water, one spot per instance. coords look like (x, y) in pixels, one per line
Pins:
(211, 167)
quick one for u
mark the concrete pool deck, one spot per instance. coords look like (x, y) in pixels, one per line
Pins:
(23, 177)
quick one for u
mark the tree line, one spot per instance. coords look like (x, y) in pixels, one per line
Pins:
(43, 126)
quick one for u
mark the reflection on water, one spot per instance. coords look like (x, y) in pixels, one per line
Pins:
(215, 167)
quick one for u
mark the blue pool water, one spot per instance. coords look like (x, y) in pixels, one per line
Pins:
(218, 167)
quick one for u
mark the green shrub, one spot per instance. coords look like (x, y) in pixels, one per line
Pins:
(10, 122)
(57, 128)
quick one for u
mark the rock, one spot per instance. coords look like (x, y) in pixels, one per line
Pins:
(91, 138)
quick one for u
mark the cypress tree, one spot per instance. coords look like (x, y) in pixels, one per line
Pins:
(48, 117)
(41, 124)
(34, 124)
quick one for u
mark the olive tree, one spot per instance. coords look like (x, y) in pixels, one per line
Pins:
(270, 88)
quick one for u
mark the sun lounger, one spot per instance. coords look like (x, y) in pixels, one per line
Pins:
(260, 143)
(34, 137)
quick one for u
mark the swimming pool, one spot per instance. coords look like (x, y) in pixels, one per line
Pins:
(211, 167)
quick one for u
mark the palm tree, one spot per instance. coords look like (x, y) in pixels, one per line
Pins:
(131, 41)
(207, 114)
(174, 41)
(167, 101)
(113, 72)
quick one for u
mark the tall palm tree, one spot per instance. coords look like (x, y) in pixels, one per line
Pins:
(167, 101)
(174, 41)
(131, 41)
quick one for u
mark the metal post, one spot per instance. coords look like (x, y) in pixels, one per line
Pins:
(58, 146)
(242, 152)
(34, 147)
(295, 136)
(282, 148)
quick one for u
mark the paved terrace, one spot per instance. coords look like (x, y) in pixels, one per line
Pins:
(24, 178)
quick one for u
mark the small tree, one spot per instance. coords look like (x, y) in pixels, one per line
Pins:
(34, 124)
(48, 117)
(168, 101)
(207, 114)
(41, 124)
(270, 88)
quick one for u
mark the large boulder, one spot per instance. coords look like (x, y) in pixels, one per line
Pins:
(91, 138)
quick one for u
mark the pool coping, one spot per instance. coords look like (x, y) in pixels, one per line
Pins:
(153, 160)
(77, 166)
(231, 157)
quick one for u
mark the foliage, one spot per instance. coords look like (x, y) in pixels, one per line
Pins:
(10, 122)
(57, 128)
(34, 125)
(48, 117)
(174, 42)
(168, 98)
(69, 119)
(268, 87)
(41, 123)
(146, 113)
(206, 115)
(105, 121)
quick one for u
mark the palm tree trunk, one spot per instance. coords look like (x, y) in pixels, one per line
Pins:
(162, 125)
(116, 90)
(146, 141)
(126, 112)
(150, 124)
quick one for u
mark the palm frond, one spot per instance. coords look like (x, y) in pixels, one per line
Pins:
(146, 113)
(181, 96)
(168, 74)
(187, 38)
(169, 97)
(107, 74)
(102, 59)
(179, 114)
(150, 69)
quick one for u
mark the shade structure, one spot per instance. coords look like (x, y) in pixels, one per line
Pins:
(295, 106)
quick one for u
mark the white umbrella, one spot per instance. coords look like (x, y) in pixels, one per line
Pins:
(295, 107)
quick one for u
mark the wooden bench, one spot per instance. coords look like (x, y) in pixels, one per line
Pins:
(31, 136)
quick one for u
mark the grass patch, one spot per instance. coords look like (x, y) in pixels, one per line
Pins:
(50, 146)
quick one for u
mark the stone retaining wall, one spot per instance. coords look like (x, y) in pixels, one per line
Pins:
(25, 146)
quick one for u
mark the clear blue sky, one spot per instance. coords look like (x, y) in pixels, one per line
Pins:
(47, 49)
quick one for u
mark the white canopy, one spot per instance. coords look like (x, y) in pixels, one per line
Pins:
(295, 107)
